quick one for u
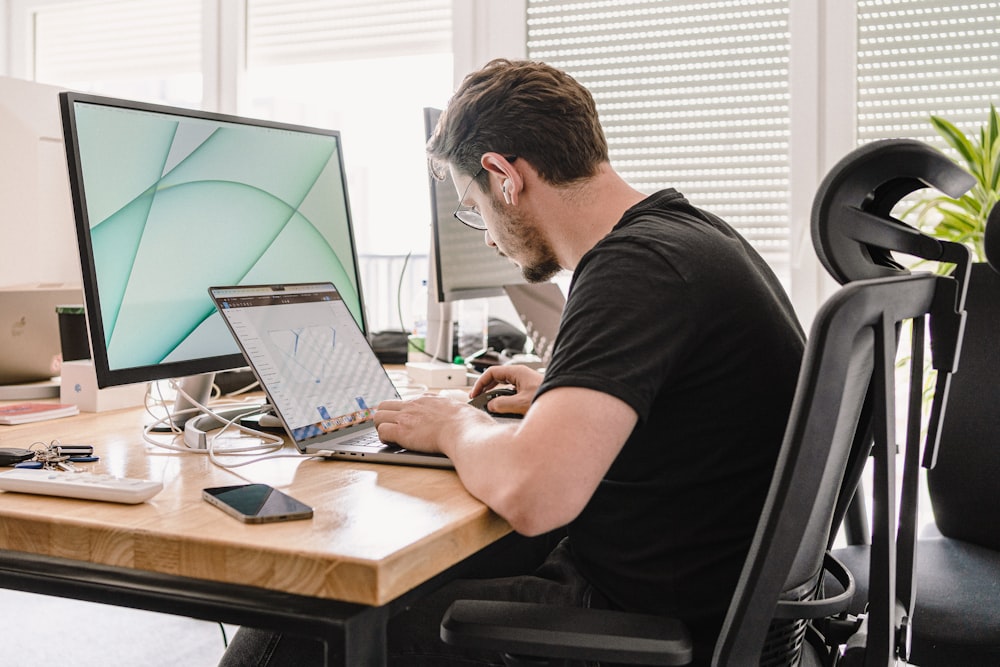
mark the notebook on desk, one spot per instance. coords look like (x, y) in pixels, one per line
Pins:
(29, 330)
(319, 373)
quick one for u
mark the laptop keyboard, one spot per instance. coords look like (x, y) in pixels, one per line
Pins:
(369, 439)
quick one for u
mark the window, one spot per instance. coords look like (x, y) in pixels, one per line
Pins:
(139, 49)
(918, 58)
(692, 95)
(367, 69)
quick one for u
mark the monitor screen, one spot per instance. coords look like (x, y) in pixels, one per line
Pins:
(464, 267)
(170, 201)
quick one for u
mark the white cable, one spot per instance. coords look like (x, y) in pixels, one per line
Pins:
(405, 386)
(273, 443)
(242, 390)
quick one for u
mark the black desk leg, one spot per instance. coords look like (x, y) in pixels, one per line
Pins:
(365, 638)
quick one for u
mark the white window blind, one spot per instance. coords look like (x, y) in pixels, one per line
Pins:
(692, 95)
(366, 68)
(84, 41)
(284, 33)
(918, 58)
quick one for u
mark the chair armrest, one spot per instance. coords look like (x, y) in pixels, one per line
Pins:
(520, 628)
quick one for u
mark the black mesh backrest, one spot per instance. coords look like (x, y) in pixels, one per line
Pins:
(842, 352)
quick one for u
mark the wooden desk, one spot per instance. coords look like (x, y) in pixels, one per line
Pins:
(381, 535)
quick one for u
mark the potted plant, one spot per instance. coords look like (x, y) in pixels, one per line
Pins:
(964, 219)
(967, 453)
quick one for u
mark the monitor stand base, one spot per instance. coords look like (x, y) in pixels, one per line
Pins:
(196, 430)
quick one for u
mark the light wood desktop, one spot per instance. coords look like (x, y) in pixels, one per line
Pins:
(378, 533)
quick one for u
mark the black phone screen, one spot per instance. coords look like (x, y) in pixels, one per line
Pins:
(257, 503)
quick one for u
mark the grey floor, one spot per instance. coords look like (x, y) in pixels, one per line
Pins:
(39, 631)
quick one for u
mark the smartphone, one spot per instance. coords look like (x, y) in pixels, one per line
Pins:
(256, 503)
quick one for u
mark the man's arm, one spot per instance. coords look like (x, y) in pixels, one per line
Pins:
(538, 474)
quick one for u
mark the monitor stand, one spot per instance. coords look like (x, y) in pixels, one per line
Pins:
(199, 388)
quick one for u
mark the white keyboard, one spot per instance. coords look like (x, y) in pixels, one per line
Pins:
(85, 485)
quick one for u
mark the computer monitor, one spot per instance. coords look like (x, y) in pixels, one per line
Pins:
(171, 201)
(462, 266)
(36, 212)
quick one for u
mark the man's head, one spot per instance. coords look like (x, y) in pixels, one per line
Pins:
(524, 109)
(517, 112)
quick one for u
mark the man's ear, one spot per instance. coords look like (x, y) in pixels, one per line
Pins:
(509, 178)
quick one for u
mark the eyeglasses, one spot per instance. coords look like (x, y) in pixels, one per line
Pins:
(468, 215)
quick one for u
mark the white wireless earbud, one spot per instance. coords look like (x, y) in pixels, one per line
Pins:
(503, 189)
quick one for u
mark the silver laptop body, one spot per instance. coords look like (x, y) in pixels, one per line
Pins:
(319, 373)
(29, 330)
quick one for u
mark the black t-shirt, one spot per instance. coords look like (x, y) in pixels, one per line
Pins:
(674, 313)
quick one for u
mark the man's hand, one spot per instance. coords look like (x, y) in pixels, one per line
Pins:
(424, 423)
(524, 380)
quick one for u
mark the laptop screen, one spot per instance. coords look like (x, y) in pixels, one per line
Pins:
(309, 354)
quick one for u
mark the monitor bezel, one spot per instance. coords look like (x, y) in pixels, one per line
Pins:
(107, 376)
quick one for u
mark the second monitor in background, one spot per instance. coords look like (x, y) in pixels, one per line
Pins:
(540, 309)
(462, 267)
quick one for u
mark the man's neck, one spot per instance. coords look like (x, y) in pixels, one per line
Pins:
(590, 211)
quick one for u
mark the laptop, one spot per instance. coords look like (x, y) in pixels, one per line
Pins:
(540, 307)
(29, 330)
(320, 375)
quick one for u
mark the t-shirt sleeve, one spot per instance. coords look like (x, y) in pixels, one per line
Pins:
(625, 333)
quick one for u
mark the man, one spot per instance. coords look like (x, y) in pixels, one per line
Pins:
(653, 434)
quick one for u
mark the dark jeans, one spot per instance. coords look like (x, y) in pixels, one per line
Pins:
(413, 635)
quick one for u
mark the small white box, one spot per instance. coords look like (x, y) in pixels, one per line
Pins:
(79, 387)
(436, 374)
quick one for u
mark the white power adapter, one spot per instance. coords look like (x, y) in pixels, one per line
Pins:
(436, 375)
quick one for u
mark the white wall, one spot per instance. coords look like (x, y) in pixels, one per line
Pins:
(4, 37)
(485, 29)
(822, 116)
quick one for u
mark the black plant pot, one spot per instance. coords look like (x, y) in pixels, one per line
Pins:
(964, 486)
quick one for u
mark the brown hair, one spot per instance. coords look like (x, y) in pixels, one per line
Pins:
(525, 109)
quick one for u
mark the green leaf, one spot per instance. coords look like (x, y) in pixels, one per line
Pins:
(994, 124)
(994, 179)
(956, 139)
(963, 219)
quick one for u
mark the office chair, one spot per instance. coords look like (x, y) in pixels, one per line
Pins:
(956, 616)
(950, 582)
(779, 614)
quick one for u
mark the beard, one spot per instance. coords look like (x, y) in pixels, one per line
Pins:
(523, 239)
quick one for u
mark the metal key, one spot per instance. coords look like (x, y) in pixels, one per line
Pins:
(50, 458)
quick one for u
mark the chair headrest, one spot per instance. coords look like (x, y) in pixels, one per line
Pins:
(853, 231)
